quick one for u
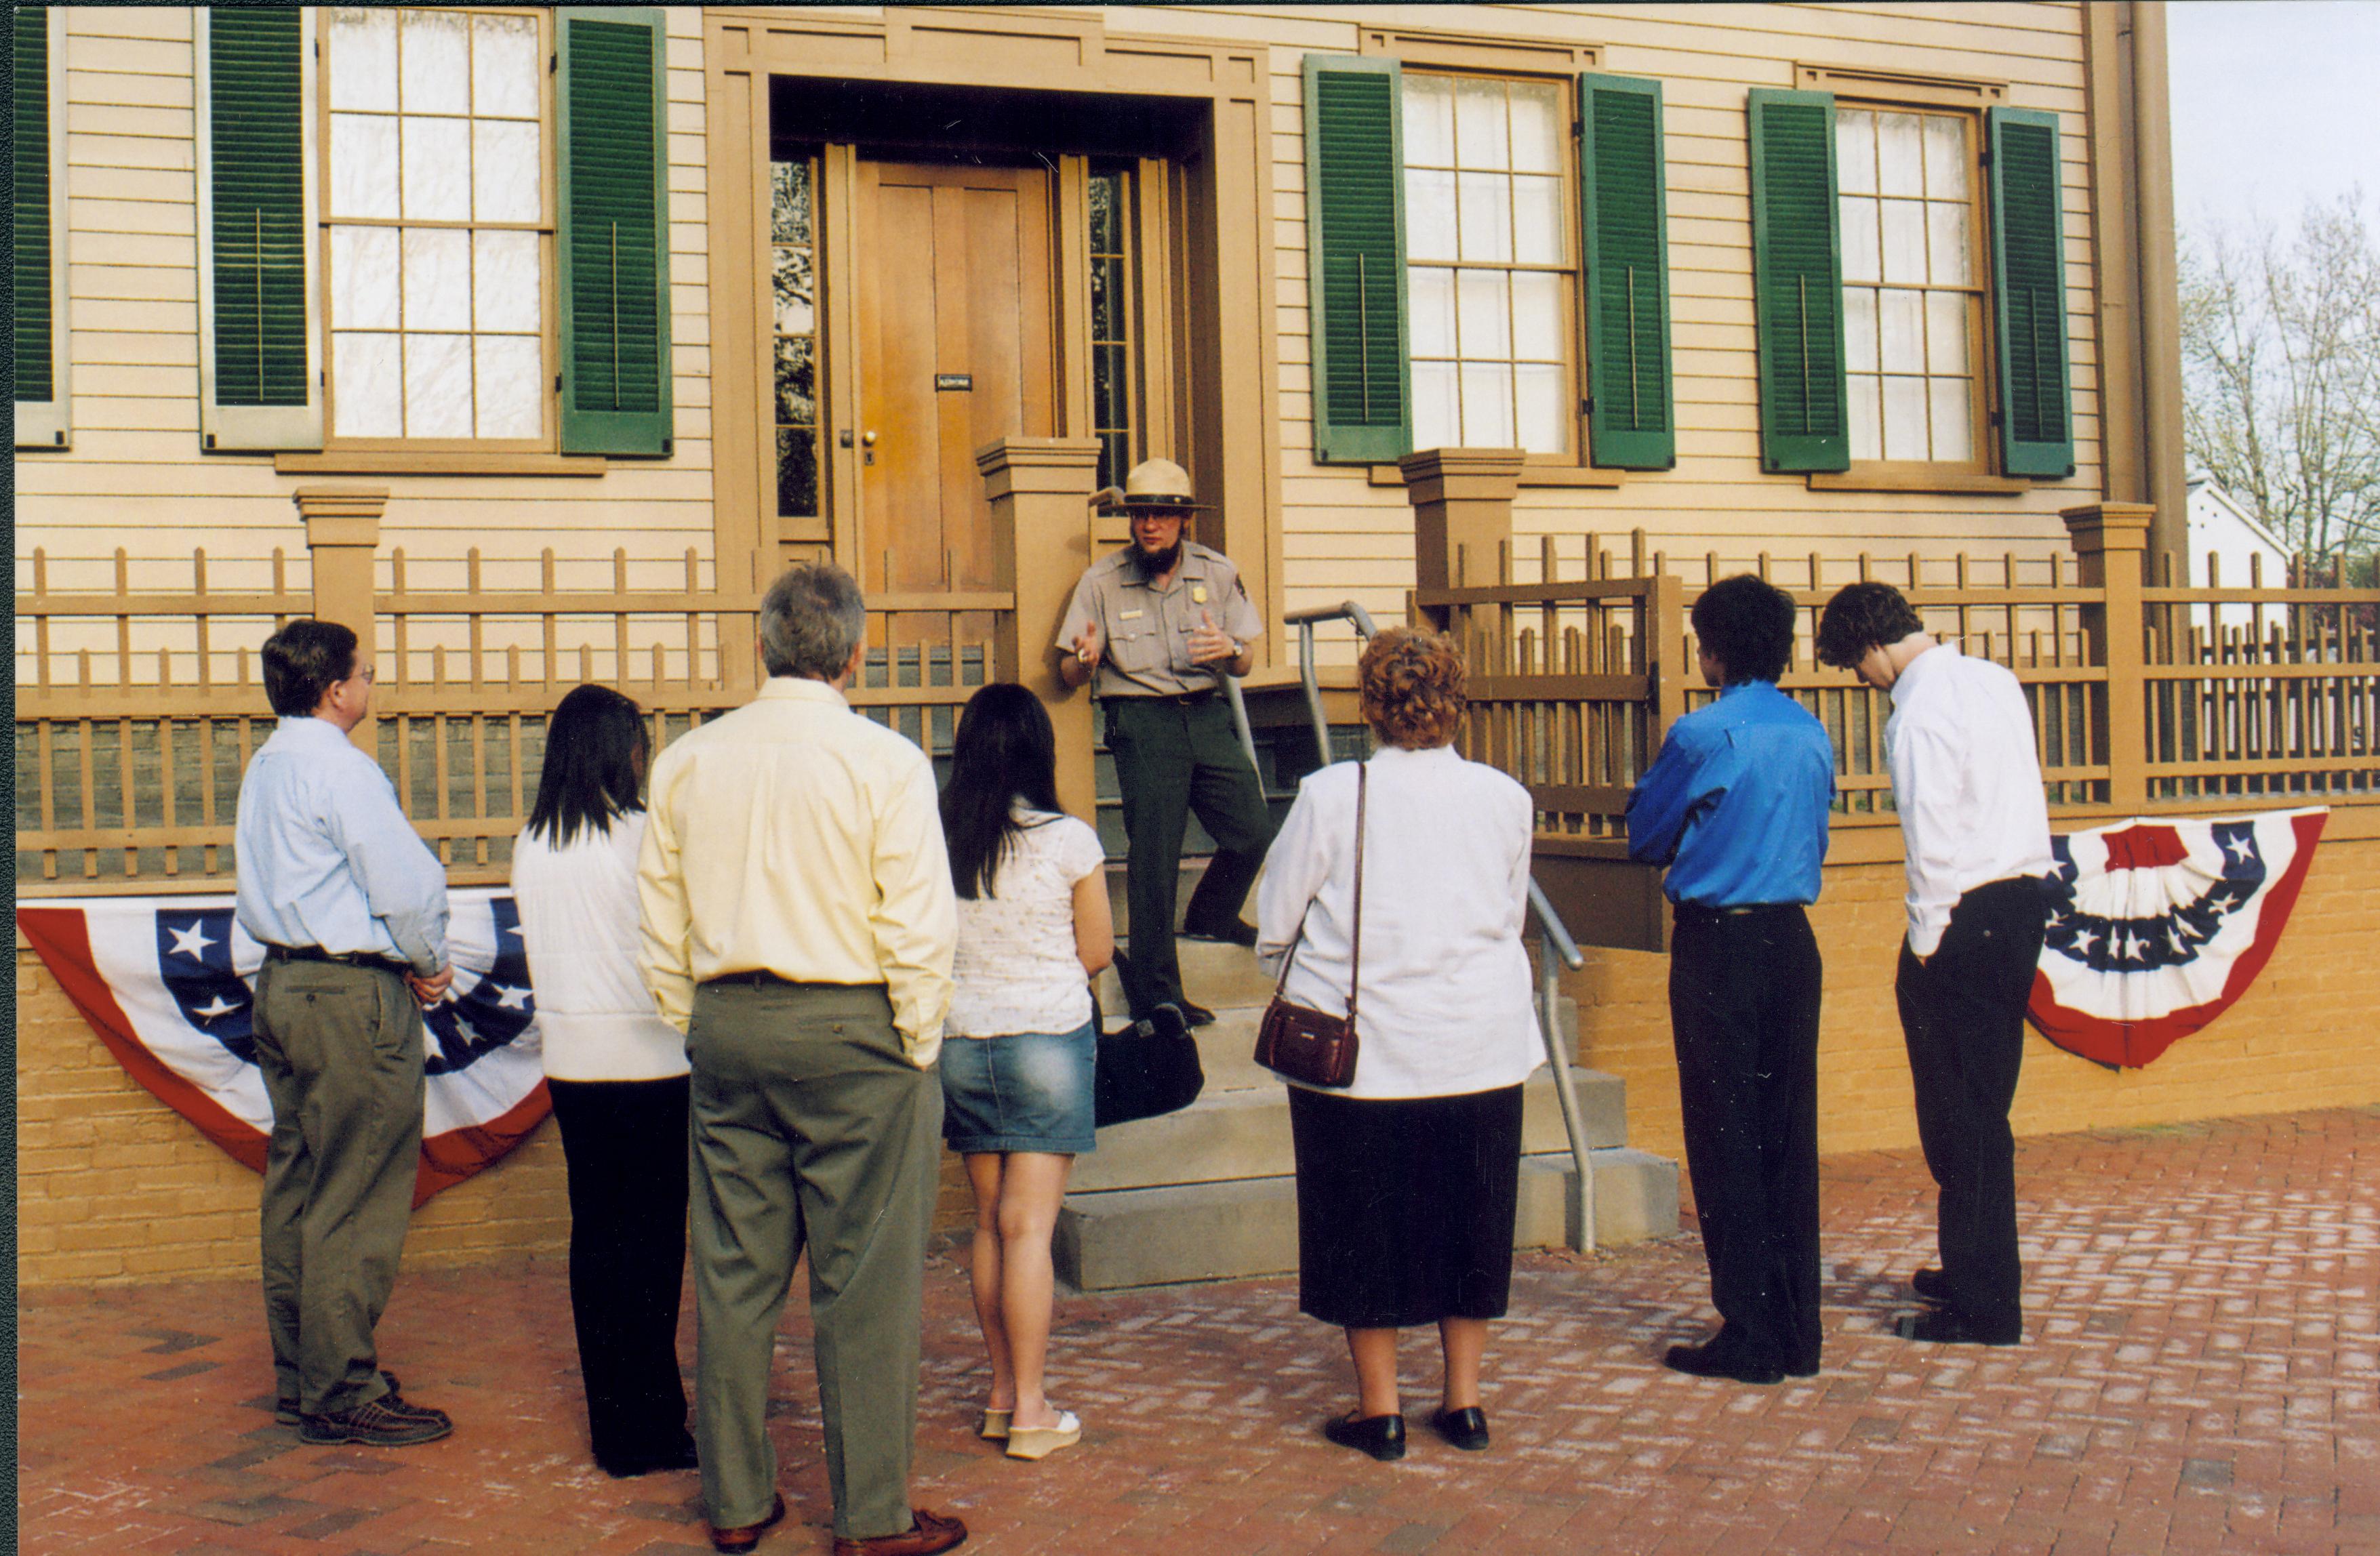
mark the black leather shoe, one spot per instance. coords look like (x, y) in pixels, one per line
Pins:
(1228, 932)
(1383, 1436)
(285, 1411)
(1946, 1326)
(1197, 1015)
(1714, 1360)
(1927, 1283)
(1467, 1428)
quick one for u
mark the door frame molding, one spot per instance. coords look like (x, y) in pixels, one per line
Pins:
(1223, 219)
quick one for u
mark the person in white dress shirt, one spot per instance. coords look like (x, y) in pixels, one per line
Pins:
(1407, 1178)
(1019, 1065)
(1974, 827)
(618, 1075)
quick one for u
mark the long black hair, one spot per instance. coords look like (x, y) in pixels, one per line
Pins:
(1004, 752)
(595, 749)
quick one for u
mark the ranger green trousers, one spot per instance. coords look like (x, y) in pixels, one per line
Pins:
(810, 1128)
(341, 1051)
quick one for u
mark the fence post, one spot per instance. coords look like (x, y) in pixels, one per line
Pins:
(1040, 490)
(2110, 543)
(343, 537)
(1462, 514)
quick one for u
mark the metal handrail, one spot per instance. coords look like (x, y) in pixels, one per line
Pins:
(1555, 945)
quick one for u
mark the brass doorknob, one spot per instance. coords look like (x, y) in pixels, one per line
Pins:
(868, 439)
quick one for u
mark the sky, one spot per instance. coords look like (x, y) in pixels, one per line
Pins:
(2275, 103)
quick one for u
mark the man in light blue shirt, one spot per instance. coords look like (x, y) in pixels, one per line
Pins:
(1736, 806)
(351, 908)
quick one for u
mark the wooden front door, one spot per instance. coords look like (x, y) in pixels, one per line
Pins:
(956, 350)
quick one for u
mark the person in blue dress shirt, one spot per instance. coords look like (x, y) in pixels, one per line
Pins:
(1735, 804)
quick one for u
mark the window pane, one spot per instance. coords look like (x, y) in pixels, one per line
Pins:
(1861, 249)
(1488, 406)
(506, 285)
(1946, 241)
(1107, 299)
(1855, 151)
(1110, 387)
(1544, 422)
(789, 201)
(1946, 333)
(796, 383)
(504, 66)
(363, 278)
(1106, 236)
(437, 168)
(1953, 420)
(1946, 157)
(1899, 162)
(363, 165)
(436, 67)
(1538, 224)
(366, 372)
(1538, 333)
(1858, 330)
(1901, 317)
(1484, 301)
(506, 171)
(1538, 131)
(796, 314)
(1437, 423)
(363, 58)
(1904, 240)
(437, 279)
(437, 386)
(508, 384)
(1904, 419)
(797, 486)
(1430, 295)
(1429, 215)
(1486, 203)
(1479, 139)
(1867, 417)
(1429, 121)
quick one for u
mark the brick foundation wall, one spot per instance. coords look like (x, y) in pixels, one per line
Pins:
(2306, 1035)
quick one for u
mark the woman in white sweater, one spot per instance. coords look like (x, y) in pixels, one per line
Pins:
(617, 1074)
(1407, 1179)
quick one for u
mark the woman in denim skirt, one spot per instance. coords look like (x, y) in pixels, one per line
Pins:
(1024, 1034)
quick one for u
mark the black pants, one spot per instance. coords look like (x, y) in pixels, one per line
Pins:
(1962, 1013)
(1175, 756)
(625, 1142)
(1744, 1010)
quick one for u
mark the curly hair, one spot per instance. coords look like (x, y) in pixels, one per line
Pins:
(1410, 683)
(1746, 623)
(1861, 616)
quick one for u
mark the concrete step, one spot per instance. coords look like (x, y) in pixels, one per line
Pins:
(1248, 1226)
(1242, 1132)
(1216, 975)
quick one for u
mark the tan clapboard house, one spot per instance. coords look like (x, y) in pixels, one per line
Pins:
(535, 342)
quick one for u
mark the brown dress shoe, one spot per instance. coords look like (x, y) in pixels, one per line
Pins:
(927, 1533)
(744, 1537)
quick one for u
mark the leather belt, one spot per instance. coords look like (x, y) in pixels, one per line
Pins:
(761, 978)
(1741, 909)
(371, 959)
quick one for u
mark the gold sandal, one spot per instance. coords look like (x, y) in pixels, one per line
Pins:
(1035, 1442)
(993, 1426)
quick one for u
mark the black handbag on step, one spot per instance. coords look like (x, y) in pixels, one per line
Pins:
(1147, 1069)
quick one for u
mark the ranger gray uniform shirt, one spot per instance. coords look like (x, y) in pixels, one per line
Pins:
(1145, 633)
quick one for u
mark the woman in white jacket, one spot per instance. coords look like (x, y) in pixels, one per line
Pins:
(617, 1074)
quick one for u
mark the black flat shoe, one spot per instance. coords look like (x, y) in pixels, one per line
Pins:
(1232, 932)
(1383, 1436)
(1927, 1283)
(1467, 1428)
(1945, 1326)
(1714, 1361)
(1197, 1015)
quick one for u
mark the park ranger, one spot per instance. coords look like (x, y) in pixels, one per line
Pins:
(1154, 628)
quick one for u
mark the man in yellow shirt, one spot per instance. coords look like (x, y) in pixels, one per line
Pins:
(798, 927)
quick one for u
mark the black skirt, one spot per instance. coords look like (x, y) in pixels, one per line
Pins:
(1404, 1206)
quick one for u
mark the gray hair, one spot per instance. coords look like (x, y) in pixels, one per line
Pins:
(812, 620)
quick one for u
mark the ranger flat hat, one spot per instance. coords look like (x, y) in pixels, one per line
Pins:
(1154, 483)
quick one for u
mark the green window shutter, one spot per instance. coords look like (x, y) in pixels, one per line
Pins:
(614, 233)
(1355, 257)
(2029, 294)
(1797, 281)
(260, 356)
(1624, 211)
(31, 197)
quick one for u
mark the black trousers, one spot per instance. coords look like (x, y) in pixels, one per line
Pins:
(1963, 1015)
(1743, 1011)
(625, 1142)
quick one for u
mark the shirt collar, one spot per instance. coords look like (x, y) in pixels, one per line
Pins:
(1394, 755)
(801, 689)
(305, 726)
(1733, 687)
(1915, 674)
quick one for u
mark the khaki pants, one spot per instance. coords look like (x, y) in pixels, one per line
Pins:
(341, 1049)
(810, 1128)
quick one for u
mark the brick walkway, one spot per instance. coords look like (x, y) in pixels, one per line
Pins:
(2199, 1374)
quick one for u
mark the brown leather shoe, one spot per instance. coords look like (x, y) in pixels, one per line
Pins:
(736, 1540)
(927, 1533)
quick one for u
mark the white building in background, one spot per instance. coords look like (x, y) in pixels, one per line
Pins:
(2226, 543)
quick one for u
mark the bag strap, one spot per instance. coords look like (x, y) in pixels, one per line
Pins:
(1355, 954)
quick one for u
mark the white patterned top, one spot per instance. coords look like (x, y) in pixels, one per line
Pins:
(1016, 970)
